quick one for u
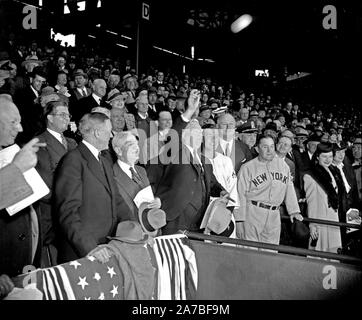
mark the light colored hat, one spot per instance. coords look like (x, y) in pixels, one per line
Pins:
(217, 219)
(4, 74)
(130, 232)
(102, 110)
(32, 60)
(48, 95)
(151, 220)
(115, 94)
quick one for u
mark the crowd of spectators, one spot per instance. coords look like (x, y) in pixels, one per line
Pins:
(48, 80)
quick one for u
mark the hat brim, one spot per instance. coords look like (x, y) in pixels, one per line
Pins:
(130, 241)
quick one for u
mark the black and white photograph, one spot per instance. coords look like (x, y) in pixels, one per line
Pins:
(196, 152)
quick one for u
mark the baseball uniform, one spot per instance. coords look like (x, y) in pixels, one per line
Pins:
(262, 188)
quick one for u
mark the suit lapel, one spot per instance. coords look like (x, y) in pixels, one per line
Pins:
(122, 179)
(54, 144)
(188, 157)
(94, 165)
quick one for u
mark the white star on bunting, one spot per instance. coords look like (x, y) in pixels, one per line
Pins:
(91, 258)
(101, 297)
(111, 272)
(114, 291)
(75, 264)
(82, 282)
(85, 298)
(97, 276)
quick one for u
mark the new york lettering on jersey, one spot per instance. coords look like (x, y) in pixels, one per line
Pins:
(277, 176)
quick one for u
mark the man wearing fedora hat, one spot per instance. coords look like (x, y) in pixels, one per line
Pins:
(80, 91)
(29, 106)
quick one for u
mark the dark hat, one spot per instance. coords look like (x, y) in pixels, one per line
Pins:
(314, 137)
(152, 90)
(126, 76)
(116, 72)
(205, 107)
(151, 220)
(248, 127)
(181, 95)
(254, 113)
(341, 146)
(80, 72)
(38, 70)
(324, 147)
(301, 132)
(300, 232)
(171, 96)
(271, 126)
(130, 232)
(5, 65)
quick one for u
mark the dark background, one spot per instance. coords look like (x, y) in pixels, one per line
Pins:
(284, 37)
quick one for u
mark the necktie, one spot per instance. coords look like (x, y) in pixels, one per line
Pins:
(135, 177)
(84, 92)
(101, 163)
(196, 161)
(64, 142)
(345, 182)
(227, 150)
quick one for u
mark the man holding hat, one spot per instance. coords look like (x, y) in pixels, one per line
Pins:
(130, 178)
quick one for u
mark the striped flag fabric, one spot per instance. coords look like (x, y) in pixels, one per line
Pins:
(177, 268)
(82, 279)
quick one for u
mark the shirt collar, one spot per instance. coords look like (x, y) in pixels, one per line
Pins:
(224, 144)
(55, 134)
(36, 92)
(96, 98)
(125, 167)
(142, 116)
(92, 149)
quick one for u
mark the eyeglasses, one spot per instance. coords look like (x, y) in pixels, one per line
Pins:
(63, 115)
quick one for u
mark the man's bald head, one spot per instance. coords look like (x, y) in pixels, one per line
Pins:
(99, 87)
(226, 118)
(226, 124)
(9, 122)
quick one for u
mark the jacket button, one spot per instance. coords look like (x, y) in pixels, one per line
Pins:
(21, 237)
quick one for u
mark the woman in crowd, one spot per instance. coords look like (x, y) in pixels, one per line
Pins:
(125, 119)
(321, 185)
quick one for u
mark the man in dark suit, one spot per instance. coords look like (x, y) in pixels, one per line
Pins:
(186, 184)
(130, 178)
(30, 109)
(18, 233)
(235, 149)
(57, 118)
(87, 203)
(85, 105)
(80, 91)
